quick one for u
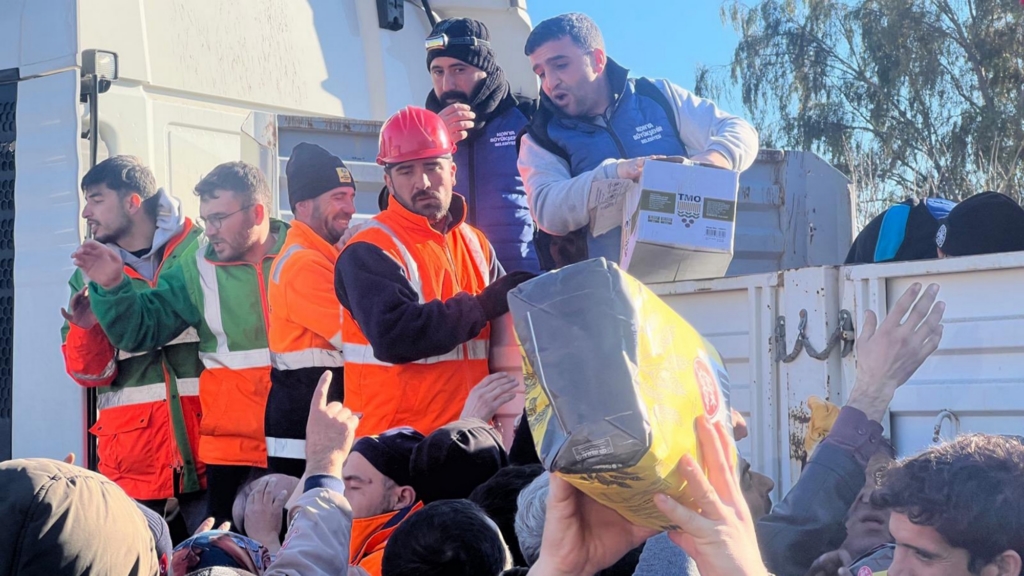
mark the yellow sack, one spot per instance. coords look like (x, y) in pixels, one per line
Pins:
(614, 381)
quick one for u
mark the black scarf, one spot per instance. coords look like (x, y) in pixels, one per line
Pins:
(492, 98)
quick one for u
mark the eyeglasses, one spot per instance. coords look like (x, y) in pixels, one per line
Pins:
(442, 41)
(215, 222)
(219, 548)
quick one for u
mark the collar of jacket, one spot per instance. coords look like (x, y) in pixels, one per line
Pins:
(301, 233)
(187, 228)
(371, 534)
(419, 224)
(618, 76)
(277, 227)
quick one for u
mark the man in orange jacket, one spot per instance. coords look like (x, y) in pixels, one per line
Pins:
(305, 316)
(419, 288)
(378, 486)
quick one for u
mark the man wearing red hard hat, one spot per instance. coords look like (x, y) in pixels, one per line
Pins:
(418, 288)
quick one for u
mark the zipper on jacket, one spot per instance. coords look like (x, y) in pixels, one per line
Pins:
(451, 260)
(264, 303)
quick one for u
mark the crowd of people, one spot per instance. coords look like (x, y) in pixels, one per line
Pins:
(314, 397)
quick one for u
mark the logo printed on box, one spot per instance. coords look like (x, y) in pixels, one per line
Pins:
(688, 208)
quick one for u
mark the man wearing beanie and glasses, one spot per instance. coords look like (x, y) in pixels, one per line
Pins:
(305, 316)
(475, 101)
(378, 486)
(986, 223)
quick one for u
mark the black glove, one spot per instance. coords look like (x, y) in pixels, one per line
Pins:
(494, 298)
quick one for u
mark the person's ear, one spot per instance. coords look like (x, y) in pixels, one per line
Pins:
(132, 203)
(405, 497)
(599, 60)
(259, 213)
(1006, 564)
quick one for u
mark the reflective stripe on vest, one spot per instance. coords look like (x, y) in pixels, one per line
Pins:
(211, 298)
(145, 394)
(259, 358)
(275, 274)
(286, 448)
(187, 337)
(476, 251)
(108, 371)
(363, 354)
(412, 271)
(309, 358)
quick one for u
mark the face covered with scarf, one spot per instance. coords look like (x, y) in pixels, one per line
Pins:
(469, 87)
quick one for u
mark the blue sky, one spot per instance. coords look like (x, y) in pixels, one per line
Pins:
(655, 38)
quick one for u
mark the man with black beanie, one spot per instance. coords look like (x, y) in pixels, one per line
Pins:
(378, 486)
(986, 223)
(475, 101)
(305, 316)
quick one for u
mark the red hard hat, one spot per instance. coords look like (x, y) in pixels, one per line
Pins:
(413, 133)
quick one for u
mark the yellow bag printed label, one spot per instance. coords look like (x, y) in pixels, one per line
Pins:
(614, 381)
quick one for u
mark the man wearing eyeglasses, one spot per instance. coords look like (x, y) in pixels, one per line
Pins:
(148, 425)
(475, 100)
(595, 123)
(219, 288)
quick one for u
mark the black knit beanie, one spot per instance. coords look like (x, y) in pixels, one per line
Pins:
(390, 453)
(312, 171)
(480, 56)
(985, 223)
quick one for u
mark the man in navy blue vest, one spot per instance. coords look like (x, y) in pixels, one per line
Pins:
(475, 100)
(596, 123)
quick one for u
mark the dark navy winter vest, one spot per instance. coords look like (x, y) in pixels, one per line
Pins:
(488, 178)
(637, 124)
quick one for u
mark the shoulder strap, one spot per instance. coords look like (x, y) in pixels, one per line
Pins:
(646, 88)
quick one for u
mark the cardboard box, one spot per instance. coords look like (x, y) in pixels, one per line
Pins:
(679, 222)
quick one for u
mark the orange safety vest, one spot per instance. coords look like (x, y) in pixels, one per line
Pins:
(304, 337)
(370, 537)
(430, 392)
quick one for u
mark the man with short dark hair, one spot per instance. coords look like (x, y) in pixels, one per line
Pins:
(475, 100)
(305, 316)
(957, 508)
(448, 538)
(378, 485)
(595, 123)
(220, 289)
(148, 425)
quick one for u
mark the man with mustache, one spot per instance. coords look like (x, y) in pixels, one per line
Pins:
(419, 288)
(305, 317)
(148, 426)
(475, 100)
(595, 123)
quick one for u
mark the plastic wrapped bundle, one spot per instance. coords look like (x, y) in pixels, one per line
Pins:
(614, 381)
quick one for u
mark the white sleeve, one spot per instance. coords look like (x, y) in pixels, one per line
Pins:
(558, 202)
(703, 127)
